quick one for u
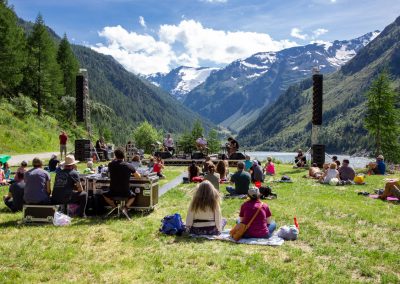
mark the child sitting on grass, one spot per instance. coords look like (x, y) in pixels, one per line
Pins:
(158, 167)
(89, 169)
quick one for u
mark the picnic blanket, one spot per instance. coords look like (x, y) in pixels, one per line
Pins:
(224, 236)
(389, 198)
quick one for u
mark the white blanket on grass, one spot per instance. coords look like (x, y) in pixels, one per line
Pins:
(274, 240)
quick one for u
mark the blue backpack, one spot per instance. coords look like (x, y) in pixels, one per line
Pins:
(172, 225)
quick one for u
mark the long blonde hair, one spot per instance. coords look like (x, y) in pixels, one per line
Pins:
(205, 196)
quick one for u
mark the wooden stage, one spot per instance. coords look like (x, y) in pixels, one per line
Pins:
(187, 162)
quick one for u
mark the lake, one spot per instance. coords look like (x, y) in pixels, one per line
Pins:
(288, 157)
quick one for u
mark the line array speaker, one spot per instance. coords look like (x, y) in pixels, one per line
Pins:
(81, 94)
(317, 99)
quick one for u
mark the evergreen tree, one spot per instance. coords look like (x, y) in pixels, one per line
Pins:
(69, 66)
(197, 131)
(382, 120)
(214, 144)
(43, 79)
(12, 51)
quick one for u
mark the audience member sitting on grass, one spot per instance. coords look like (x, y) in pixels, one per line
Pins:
(136, 163)
(37, 184)
(67, 186)
(120, 173)
(241, 179)
(7, 172)
(3, 180)
(256, 172)
(335, 160)
(15, 198)
(300, 160)
(315, 171)
(222, 170)
(269, 167)
(262, 226)
(53, 163)
(158, 167)
(193, 171)
(150, 164)
(346, 173)
(90, 169)
(392, 188)
(212, 176)
(377, 168)
(21, 169)
(248, 164)
(206, 163)
(204, 214)
(330, 174)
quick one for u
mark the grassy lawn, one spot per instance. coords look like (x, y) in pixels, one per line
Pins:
(344, 238)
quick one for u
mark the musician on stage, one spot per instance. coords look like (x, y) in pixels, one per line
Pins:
(232, 146)
(101, 146)
(201, 143)
(169, 144)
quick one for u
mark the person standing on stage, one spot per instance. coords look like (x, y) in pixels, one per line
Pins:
(63, 143)
(232, 146)
(169, 144)
(201, 143)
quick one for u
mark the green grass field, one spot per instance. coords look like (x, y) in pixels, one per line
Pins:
(343, 238)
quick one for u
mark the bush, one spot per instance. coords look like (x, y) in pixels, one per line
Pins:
(22, 105)
(145, 135)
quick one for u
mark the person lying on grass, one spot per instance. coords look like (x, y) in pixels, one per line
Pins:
(392, 188)
(204, 215)
(262, 226)
(315, 171)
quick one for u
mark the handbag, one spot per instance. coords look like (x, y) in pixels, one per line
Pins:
(238, 231)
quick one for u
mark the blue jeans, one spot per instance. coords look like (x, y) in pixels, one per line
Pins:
(231, 190)
(271, 229)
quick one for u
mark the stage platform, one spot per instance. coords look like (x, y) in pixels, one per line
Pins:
(187, 162)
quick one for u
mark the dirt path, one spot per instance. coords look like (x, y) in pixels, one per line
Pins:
(17, 159)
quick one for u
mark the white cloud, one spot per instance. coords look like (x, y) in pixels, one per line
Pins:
(142, 22)
(144, 53)
(319, 32)
(296, 33)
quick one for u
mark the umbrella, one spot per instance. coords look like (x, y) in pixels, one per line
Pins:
(4, 158)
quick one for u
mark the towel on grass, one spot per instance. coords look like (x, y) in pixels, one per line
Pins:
(389, 198)
(224, 236)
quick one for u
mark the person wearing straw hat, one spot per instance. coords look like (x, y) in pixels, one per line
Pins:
(67, 186)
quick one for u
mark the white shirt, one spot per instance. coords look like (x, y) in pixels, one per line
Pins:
(214, 217)
(332, 173)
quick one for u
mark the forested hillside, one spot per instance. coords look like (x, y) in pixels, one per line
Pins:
(287, 123)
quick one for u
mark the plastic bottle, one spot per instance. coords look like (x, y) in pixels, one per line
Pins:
(296, 223)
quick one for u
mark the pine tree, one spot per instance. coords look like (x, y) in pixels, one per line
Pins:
(12, 51)
(197, 131)
(43, 79)
(69, 66)
(382, 120)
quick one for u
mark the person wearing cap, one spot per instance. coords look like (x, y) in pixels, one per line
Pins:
(256, 172)
(67, 186)
(379, 167)
(37, 184)
(263, 226)
(120, 173)
(241, 179)
(346, 172)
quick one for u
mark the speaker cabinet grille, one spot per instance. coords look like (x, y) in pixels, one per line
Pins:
(317, 99)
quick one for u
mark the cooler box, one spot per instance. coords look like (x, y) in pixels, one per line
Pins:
(39, 213)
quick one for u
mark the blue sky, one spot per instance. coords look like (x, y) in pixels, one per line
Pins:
(148, 36)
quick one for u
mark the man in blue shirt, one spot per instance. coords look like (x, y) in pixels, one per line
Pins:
(380, 166)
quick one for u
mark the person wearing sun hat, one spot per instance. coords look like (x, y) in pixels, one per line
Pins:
(67, 186)
(262, 226)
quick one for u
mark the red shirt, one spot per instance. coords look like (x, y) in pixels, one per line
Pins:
(258, 228)
(63, 139)
(157, 168)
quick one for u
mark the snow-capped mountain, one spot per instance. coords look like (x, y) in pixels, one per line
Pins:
(180, 81)
(234, 95)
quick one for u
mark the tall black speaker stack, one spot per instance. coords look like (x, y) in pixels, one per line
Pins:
(82, 90)
(318, 150)
(82, 149)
